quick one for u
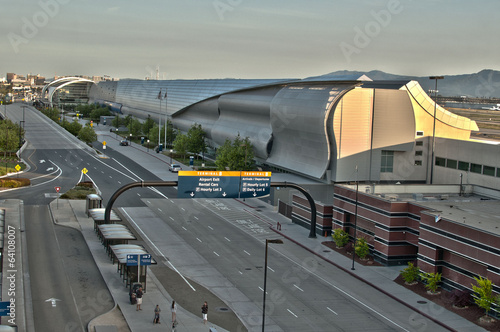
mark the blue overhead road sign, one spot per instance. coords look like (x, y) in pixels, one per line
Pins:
(255, 184)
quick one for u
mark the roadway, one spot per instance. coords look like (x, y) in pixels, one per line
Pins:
(222, 249)
(67, 289)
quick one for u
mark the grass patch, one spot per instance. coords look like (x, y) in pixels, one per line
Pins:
(80, 191)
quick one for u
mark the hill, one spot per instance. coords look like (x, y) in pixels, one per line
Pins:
(485, 83)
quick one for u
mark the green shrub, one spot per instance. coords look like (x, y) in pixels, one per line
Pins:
(484, 291)
(362, 249)
(411, 273)
(431, 280)
(340, 237)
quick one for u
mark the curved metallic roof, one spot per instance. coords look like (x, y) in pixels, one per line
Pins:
(60, 83)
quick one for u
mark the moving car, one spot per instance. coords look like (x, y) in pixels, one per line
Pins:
(175, 168)
(124, 142)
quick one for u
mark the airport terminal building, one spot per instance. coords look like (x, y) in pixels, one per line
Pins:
(345, 130)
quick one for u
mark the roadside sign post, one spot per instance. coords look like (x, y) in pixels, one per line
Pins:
(57, 198)
(84, 171)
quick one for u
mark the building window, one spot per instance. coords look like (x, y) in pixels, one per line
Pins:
(418, 153)
(440, 161)
(419, 143)
(463, 166)
(420, 133)
(450, 163)
(498, 172)
(476, 168)
(387, 164)
(418, 162)
(488, 170)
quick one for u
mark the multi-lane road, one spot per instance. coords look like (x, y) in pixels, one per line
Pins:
(210, 241)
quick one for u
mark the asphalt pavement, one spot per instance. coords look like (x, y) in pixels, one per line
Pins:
(72, 214)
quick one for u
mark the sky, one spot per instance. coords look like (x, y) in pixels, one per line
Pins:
(201, 39)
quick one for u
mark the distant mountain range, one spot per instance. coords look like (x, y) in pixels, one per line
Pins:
(485, 83)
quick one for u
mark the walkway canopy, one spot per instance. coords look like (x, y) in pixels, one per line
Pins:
(67, 90)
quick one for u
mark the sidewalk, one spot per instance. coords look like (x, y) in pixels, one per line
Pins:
(71, 213)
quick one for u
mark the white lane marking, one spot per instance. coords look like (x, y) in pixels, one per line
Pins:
(210, 228)
(138, 194)
(270, 269)
(183, 209)
(119, 182)
(246, 252)
(316, 275)
(332, 311)
(199, 240)
(150, 203)
(292, 313)
(195, 217)
(171, 218)
(158, 250)
(159, 210)
(216, 254)
(184, 228)
(227, 239)
(240, 272)
(340, 290)
(300, 289)
(261, 289)
(110, 177)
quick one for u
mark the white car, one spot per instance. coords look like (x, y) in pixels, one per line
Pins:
(175, 168)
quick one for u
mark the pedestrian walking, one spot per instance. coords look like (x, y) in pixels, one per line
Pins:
(156, 320)
(138, 295)
(174, 312)
(204, 312)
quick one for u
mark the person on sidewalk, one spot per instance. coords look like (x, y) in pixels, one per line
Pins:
(156, 320)
(138, 295)
(204, 312)
(174, 312)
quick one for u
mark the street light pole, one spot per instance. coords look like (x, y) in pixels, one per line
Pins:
(434, 125)
(171, 151)
(166, 119)
(277, 241)
(355, 221)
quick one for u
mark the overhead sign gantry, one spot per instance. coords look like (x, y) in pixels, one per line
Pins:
(219, 184)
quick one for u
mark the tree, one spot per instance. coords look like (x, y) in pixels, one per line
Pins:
(98, 112)
(117, 121)
(196, 139)
(171, 132)
(181, 144)
(153, 134)
(236, 156)
(147, 125)
(87, 134)
(10, 136)
(340, 237)
(73, 127)
(135, 127)
(361, 248)
(484, 291)
(126, 120)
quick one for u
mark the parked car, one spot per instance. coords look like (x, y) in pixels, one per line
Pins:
(124, 142)
(175, 168)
